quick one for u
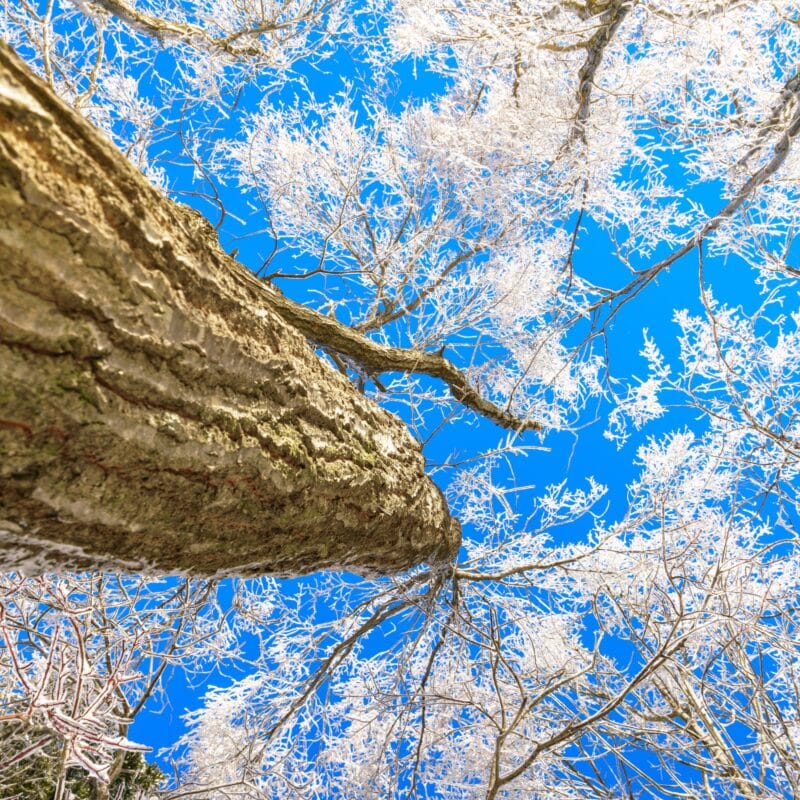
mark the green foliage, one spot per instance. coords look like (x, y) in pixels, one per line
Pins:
(137, 776)
(36, 778)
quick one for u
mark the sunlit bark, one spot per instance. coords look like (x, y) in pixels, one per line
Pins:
(154, 411)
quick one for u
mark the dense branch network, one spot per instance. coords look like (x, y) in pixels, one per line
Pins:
(378, 358)
(284, 20)
(511, 179)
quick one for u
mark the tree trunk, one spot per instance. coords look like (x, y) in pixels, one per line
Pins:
(155, 413)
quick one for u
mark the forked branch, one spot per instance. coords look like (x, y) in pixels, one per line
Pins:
(378, 358)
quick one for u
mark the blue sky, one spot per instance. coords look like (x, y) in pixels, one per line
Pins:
(571, 456)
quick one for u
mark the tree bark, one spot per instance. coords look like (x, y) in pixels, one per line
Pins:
(155, 412)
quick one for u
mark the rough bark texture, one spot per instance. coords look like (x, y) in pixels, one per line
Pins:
(154, 412)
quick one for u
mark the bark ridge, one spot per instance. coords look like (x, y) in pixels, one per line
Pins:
(155, 412)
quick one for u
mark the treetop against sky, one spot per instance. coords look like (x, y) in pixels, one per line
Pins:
(557, 239)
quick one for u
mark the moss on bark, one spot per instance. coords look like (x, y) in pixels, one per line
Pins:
(155, 412)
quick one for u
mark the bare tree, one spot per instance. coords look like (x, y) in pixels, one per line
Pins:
(81, 655)
(567, 163)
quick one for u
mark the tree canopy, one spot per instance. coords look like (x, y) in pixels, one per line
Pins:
(558, 240)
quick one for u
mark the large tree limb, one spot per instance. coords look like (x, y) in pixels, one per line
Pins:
(377, 358)
(241, 44)
(610, 20)
(154, 411)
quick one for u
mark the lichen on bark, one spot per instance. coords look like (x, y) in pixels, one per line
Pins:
(155, 412)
